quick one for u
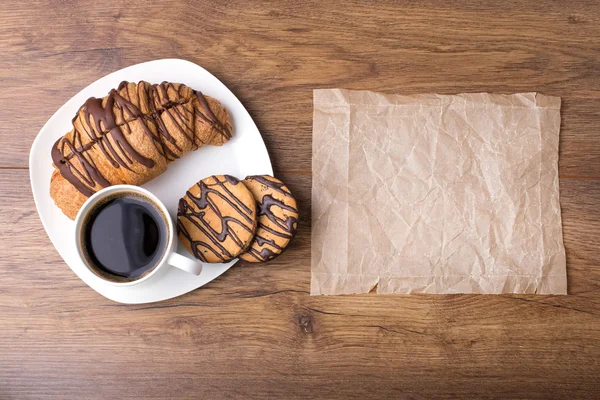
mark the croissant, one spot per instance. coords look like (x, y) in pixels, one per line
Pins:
(130, 136)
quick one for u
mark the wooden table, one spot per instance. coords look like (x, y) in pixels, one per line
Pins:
(256, 332)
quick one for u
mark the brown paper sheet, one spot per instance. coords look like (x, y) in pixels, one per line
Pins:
(436, 194)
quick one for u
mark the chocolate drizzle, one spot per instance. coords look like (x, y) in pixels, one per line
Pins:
(103, 121)
(284, 228)
(287, 225)
(207, 201)
(99, 125)
(210, 117)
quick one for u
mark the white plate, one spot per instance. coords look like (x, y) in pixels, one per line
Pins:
(245, 154)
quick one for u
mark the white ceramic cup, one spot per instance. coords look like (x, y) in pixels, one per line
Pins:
(169, 257)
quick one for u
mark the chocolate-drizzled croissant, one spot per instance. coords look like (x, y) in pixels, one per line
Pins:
(130, 136)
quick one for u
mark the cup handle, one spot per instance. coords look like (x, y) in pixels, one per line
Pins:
(184, 263)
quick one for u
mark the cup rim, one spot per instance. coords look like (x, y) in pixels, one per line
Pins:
(92, 200)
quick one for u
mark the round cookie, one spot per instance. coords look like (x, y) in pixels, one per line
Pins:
(277, 218)
(217, 218)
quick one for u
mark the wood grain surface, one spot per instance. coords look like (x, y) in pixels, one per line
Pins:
(255, 332)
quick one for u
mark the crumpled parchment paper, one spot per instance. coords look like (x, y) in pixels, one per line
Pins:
(436, 194)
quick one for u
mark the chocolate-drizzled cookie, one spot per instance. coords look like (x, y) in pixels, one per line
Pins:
(217, 218)
(277, 218)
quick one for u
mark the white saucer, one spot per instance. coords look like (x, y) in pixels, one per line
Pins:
(245, 154)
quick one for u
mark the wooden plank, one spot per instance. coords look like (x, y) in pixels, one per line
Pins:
(273, 57)
(256, 331)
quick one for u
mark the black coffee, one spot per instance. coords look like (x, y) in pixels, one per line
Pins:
(124, 237)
